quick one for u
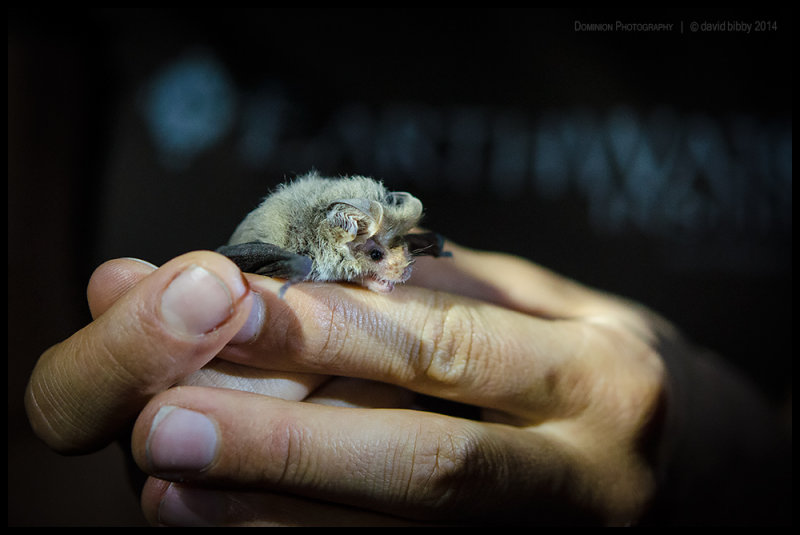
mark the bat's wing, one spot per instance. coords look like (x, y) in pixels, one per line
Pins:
(270, 260)
(426, 244)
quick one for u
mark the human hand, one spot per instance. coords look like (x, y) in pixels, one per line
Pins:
(152, 328)
(568, 380)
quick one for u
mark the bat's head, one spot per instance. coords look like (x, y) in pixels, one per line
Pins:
(382, 265)
(372, 241)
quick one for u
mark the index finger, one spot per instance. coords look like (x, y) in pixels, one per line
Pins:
(430, 342)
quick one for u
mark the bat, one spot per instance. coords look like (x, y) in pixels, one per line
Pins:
(333, 229)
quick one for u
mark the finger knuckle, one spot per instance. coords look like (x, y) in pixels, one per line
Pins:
(641, 383)
(652, 391)
(446, 349)
(442, 467)
(332, 322)
(287, 447)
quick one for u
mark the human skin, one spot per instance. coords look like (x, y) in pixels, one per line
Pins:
(309, 418)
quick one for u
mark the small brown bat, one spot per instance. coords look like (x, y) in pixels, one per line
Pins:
(326, 229)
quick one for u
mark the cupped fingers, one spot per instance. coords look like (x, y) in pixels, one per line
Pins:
(419, 466)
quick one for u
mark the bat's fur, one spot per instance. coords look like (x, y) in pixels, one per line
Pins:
(352, 228)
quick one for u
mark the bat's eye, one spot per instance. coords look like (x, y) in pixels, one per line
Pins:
(376, 255)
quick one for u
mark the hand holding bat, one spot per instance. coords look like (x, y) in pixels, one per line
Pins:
(566, 405)
(568, 383)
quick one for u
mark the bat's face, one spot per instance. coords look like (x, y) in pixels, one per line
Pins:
(382, 266)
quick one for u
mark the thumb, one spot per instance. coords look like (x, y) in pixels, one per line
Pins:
(84, 390)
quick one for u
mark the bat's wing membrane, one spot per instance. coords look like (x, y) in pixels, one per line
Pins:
(268, 259)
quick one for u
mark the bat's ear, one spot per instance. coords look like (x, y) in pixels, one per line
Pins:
(359, 218)
(405, 205)
(403, 213)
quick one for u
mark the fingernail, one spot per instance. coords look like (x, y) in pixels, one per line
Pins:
(180, 441)
(255, 320)
(197, 301)
(187, 506)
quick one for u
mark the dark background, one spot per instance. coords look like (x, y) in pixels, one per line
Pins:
(656, 165)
